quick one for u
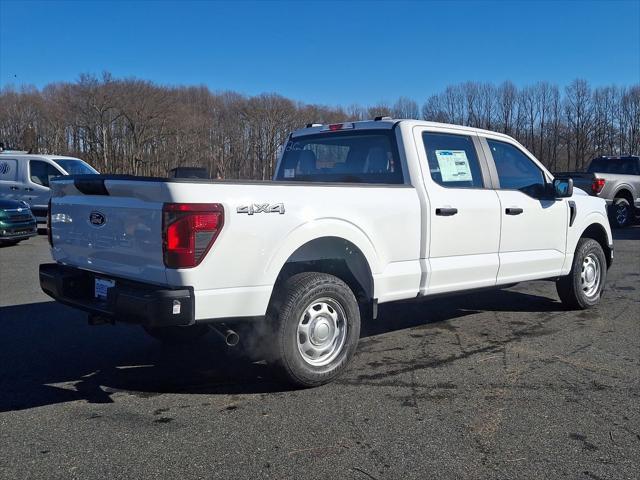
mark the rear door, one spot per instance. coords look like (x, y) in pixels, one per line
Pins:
(534, 227)
(9, 185)
(464, 214)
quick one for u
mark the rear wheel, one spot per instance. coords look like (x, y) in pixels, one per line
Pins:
(175, 335)
(582, 288)
(620, 213)
(316, 328)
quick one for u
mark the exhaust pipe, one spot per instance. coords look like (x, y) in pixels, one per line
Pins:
(230, 337)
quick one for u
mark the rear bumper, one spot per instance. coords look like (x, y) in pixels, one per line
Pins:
(127, 301)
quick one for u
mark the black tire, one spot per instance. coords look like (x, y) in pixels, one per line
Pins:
(573, 289)
(335, 314)
(8, 243)
(178, 335)
(620, 213)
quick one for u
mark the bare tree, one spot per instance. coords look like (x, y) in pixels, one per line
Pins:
(135, 126)
(405, 108)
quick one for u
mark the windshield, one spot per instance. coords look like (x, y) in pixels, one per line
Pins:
(75, 167)
(353, 157)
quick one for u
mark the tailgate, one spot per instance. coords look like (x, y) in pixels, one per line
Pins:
(113, 227)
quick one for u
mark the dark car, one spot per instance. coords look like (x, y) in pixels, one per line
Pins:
(16, 222)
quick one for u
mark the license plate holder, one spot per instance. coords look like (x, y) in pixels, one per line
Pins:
(102, 286)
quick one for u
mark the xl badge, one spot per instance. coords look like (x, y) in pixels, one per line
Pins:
(261, 208)
(97, 219)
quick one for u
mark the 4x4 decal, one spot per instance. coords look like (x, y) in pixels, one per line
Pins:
(261, 208)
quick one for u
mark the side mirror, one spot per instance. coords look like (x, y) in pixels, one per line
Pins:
(563, 187)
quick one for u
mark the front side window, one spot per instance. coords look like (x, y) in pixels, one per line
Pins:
(516, 171)
(42, 172)
(453, 161)
(353, 157)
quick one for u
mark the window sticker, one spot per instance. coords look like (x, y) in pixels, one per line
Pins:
(454, 166)
(289, 172)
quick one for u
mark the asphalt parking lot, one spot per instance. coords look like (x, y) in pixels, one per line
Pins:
(505, 384)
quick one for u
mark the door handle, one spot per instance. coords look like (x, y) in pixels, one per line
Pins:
(28, 189)
(513, 211)
(15, 188)
(446, 211)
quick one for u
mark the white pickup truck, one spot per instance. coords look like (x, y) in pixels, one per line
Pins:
(357, 214)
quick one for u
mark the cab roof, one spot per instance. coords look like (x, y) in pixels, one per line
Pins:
(28, 156)
(388, 123)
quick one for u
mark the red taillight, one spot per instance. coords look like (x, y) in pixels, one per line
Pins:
(49, 237)
(189, 232)
(597, 185)
(335, 126)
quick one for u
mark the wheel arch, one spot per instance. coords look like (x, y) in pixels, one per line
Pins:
(597, 232)
(624, 191)
(335, 256)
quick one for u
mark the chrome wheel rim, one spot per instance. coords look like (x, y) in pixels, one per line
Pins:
(590, 275)
(622, 212)
(322, 332)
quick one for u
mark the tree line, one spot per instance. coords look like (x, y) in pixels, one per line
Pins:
(138, 127)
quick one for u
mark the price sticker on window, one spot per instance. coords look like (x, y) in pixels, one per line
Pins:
(454, 166)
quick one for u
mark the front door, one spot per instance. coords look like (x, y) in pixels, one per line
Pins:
(36, 190)
(534, 226)
(464, 213)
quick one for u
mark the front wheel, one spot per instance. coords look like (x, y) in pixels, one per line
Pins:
(317, 328)
(582, 288)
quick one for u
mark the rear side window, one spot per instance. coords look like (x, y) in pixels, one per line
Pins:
(624, 166)
(8, 169)
(354, 157)
(516, 171)
(453, 161)
(42, 172)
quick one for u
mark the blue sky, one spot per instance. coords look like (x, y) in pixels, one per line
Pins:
(322, 52)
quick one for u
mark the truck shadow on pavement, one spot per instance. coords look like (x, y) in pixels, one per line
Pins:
(50, 355)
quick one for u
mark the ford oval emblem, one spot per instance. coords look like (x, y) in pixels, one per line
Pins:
(97, 219)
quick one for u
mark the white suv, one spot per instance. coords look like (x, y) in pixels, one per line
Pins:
(26, 177)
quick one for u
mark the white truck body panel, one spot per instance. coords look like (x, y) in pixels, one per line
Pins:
(237, 276)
